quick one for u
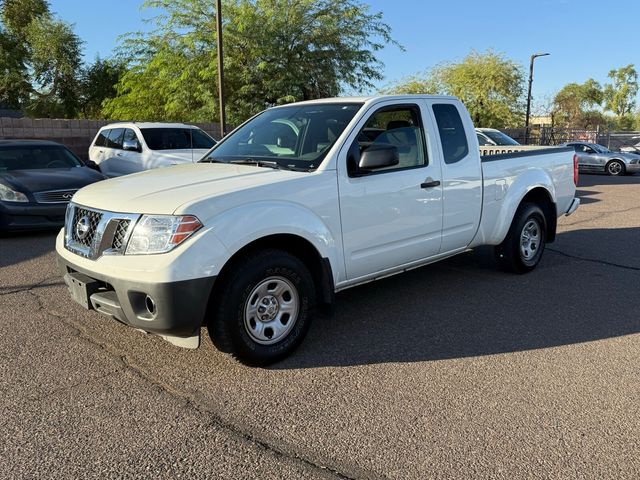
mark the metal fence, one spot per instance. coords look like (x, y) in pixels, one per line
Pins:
(554, 136)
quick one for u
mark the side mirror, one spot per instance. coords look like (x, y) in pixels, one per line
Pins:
(93, 165)
(131, 146)
(378, 156)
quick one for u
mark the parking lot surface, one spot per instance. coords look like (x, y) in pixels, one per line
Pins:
(455, 370)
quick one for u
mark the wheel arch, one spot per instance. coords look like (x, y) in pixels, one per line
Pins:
(319, 266)
(540, 196)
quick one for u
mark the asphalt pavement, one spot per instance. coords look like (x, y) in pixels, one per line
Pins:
(455, 370)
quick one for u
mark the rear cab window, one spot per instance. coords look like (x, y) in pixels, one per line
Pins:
(453, 136)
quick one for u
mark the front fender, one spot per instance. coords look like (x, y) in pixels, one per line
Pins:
(242, 225)
(521, 186)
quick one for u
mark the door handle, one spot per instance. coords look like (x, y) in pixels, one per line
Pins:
(430, 184)
(118, 154)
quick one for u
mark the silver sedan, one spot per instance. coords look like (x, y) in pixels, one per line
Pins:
(596, 158)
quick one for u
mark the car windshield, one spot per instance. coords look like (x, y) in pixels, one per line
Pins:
(36, 157)
(500, 138)
(294, 137)
(599, 148)
(176, 138)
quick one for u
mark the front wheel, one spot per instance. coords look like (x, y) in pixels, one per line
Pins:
(263, 310)
(522, 249)
(615, 168)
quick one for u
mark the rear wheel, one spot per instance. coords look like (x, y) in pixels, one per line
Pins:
(264, 308)
(522, 249)
(615, 168)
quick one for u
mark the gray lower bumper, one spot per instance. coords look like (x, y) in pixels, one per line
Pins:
(179, 308)
(575, 203)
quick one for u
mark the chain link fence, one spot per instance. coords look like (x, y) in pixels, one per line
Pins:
(616, 141)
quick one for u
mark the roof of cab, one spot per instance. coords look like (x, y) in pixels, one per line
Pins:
(147, 125)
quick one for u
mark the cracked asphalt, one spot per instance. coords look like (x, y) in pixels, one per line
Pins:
(456, 370)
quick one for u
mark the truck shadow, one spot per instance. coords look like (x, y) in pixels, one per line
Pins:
(465, 307)
(595, 179)
(20, 247)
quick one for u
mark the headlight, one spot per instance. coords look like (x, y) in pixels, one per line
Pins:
(161, 233)
(9, 195)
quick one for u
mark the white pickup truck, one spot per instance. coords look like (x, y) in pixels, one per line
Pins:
(296, 204)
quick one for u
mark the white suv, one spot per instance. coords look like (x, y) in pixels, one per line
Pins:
(123, 148)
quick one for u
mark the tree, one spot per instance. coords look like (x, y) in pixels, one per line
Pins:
(16, 16)
(98, 83)
(276, 51)
(14, 77)
(576, 105)
(55, 55)
(490, 86)
(620, 96)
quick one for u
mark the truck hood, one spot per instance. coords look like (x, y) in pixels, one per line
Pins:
(164, 190)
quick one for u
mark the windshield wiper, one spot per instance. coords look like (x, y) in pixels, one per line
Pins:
(257, 163)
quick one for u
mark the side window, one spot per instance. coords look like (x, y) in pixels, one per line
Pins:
(130, 136)
(400, 126)
(482, 141)
(452, 134)
(101, 139)
(114, 140)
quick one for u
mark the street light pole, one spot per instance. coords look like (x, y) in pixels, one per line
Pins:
(526, 120)
(223, 119)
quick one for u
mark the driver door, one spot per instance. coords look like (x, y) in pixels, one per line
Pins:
(391, 216)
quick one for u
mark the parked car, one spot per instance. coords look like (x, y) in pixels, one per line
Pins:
(123, 148)
(596, 158)
(251, 238)
(37, 181)
(491, 136)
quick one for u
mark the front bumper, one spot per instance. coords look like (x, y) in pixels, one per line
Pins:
(633, 167)
(30, 216)
(179, 307)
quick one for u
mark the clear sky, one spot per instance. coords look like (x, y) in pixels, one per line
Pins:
(586, 38)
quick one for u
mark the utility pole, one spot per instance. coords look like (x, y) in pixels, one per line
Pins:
(223, 119)
(526, 120)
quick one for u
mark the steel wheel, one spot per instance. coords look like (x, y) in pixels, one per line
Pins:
(530, 239)
(615, 167)
(271, 310)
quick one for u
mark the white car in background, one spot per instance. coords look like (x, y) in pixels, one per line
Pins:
(124, 148)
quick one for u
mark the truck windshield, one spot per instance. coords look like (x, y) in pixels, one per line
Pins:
(294, 137)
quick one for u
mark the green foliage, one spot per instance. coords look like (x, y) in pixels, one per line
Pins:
(97, 84)
(55, 53)
(39, 59)
(490, 85)
(275, 51)
(620, 95)
(576, 105)
(17, 15)
(14, 78)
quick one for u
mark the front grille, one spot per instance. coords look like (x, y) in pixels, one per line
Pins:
(92, 220)
(55, 196)
(120, 235)
(93, 233)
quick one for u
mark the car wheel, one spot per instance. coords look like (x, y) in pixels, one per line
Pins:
(522, 249)
(615, 168)
(264, 307)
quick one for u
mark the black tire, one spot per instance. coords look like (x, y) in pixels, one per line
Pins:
(231, 332)
(616, 168)
(509, 254)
